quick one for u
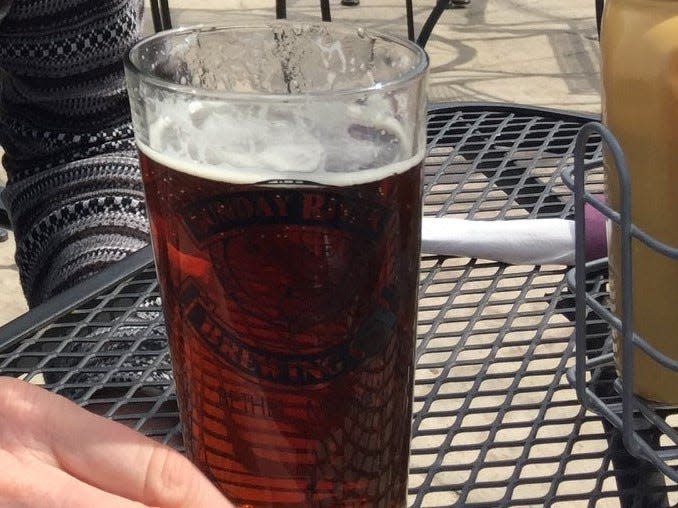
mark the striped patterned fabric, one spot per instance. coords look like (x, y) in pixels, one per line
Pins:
(74, 192)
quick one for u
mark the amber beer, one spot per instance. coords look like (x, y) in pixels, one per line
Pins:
(283, 174)
(292, 335)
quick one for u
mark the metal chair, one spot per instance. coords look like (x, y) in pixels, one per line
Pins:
(162, 19)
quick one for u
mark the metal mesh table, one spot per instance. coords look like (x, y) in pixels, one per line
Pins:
(496, 422)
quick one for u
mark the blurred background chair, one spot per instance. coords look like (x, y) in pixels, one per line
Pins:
(162, 19)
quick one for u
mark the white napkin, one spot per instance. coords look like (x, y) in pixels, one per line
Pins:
(519, 242)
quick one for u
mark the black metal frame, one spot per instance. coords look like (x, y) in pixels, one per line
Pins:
(600, 5)
(160, 12)
(162, 19)
(26, 324)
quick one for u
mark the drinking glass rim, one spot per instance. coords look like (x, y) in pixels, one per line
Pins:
(416, 71)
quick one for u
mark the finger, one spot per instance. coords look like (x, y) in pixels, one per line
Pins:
(100, 452)
(27, 483)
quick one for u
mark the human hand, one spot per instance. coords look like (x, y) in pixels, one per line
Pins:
(54, 454)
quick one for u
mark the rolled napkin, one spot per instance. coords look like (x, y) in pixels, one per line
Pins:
(518, 242)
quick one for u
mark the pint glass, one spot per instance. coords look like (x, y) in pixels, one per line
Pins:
(282, 166)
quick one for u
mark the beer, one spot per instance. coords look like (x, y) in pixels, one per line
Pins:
(282, 166)
(290, 313)
(639, 45)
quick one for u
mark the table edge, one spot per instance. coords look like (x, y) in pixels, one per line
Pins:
(37, 317)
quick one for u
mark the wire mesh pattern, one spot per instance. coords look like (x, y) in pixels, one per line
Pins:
(655, 427)
(649, 429)
(496, 422)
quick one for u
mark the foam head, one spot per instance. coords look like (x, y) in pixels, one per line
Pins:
(292, 101)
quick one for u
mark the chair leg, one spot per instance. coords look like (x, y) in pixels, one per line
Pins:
(155, 13)
(165, 15)
(280, 9)
(409, 14)
(431, 21)
(325, 10)
(161, 15)
(600, 5)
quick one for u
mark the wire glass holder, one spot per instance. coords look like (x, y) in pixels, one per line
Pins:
(630, 414)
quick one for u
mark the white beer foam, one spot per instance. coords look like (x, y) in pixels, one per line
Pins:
(249, 144)
(261, 174)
